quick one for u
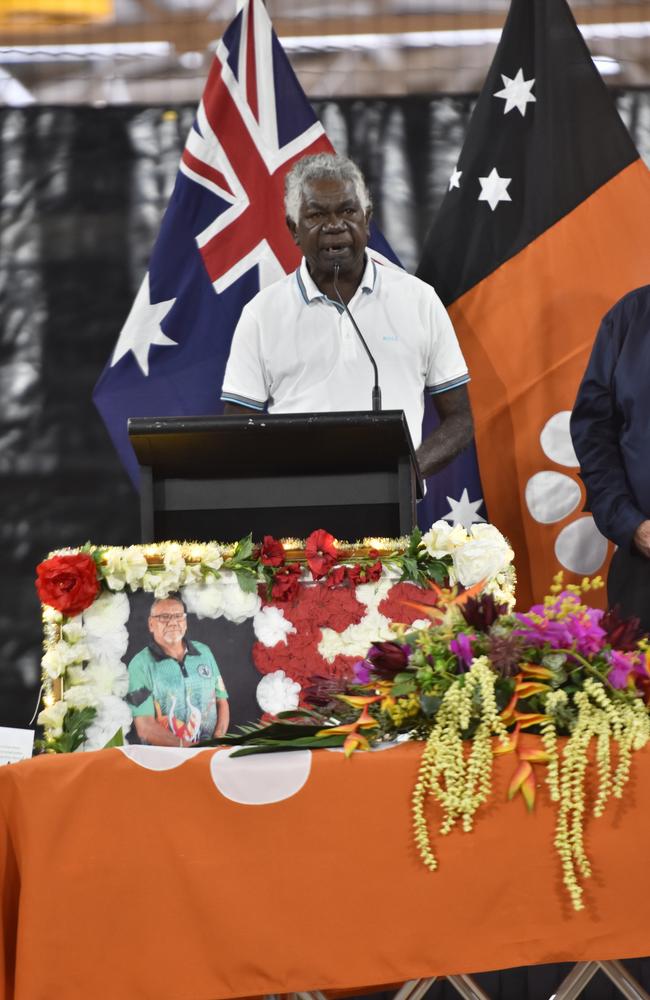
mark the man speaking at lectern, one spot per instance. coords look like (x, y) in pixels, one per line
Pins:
(296, 348)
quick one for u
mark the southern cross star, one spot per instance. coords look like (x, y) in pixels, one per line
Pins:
(493, 189)
(464, 511)
(516, 92)
(142, 328)
(454, 180)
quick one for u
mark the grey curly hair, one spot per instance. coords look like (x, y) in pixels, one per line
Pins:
(322, 166)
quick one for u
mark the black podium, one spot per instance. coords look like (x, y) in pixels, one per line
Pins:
(203, 478)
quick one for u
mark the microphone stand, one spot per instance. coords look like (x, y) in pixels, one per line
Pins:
(376, 391)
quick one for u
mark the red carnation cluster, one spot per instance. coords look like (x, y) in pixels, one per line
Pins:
(313, 608)
(68, 583)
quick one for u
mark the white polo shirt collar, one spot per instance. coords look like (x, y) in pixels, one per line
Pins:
(311, 292)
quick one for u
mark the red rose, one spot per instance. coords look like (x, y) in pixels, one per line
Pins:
(272, 553)
(286, 583)
(68, 583)
(321, 553)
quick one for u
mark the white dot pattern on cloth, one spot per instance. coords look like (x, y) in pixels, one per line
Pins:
(550, 496)
(260, 779)
(581, 547)
(160, 758)
(556, 442)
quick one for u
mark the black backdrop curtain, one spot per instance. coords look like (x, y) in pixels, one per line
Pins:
(82, 192)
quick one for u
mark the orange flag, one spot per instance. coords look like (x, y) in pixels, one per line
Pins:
(544, 227)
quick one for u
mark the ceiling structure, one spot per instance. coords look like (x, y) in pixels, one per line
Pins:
(158, 51)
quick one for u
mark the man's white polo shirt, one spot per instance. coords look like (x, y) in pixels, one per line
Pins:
(296, 351)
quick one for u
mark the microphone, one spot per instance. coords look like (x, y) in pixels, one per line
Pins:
(376, 391)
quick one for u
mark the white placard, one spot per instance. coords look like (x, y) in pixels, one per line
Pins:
(15, 744)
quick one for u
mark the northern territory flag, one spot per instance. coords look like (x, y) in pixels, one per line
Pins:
(543, 228)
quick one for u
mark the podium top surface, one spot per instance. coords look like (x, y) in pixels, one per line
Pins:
(272, 444)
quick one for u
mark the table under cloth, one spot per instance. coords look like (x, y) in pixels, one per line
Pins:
(124, 881)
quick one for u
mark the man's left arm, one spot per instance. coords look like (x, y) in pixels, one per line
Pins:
(223, 717)
(454, 433)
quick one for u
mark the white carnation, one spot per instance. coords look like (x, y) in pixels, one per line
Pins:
(107, 615)
(81, 696)
(482, 559)
(238, 605)
(372, 594)
(278, 693)
(108, 677)
(112, 715)
(441, 539)
(108, 647)
(222, 596)
(51, 718)
(271, 627)
(355, 640)
(204, 599)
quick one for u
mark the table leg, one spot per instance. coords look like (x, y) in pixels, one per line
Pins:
(623, 981)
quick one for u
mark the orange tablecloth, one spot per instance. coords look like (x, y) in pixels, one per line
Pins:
(123, 882)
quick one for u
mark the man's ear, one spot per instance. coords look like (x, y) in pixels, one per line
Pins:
(292, 227)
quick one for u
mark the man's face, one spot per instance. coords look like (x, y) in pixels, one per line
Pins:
(167, 622)
(332, 228)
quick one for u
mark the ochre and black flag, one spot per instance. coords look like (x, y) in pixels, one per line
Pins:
(544, 227)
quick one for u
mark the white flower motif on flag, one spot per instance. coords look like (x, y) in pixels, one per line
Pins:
(516, 93)
(493, 188)
(464, 511)
(551, 496)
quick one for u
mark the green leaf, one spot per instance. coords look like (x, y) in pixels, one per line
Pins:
(403, 687)
(117, 740)
(337, 740)
(243, 549)
(410, 569)
(247, 580)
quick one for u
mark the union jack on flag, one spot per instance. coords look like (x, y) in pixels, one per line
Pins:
(223, 236)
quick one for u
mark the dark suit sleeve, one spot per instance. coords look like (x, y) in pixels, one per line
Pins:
(595, 425)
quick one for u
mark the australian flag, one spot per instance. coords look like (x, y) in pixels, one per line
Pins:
(223, 236)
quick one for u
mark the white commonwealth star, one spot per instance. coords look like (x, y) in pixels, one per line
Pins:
(142, 328)
(454, 180)
(464, 511)
(493, 189)
(516, 93)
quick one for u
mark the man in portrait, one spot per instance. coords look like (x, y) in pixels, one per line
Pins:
(176, 693)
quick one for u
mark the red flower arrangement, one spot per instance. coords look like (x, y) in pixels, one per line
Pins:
(321, 553)
(272, 551)
(68, 583)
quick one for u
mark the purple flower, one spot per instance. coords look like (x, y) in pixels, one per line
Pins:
(564, 627)
(621, 668)
(462, 647)
(387, 659)
(361, 670)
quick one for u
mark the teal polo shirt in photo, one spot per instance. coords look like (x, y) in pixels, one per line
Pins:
(160, 686)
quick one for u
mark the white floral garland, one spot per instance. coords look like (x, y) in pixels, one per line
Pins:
(83, 663)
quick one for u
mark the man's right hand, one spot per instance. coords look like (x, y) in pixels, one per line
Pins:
(642, 538)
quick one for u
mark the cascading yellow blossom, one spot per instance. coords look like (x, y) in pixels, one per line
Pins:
(459, 782)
